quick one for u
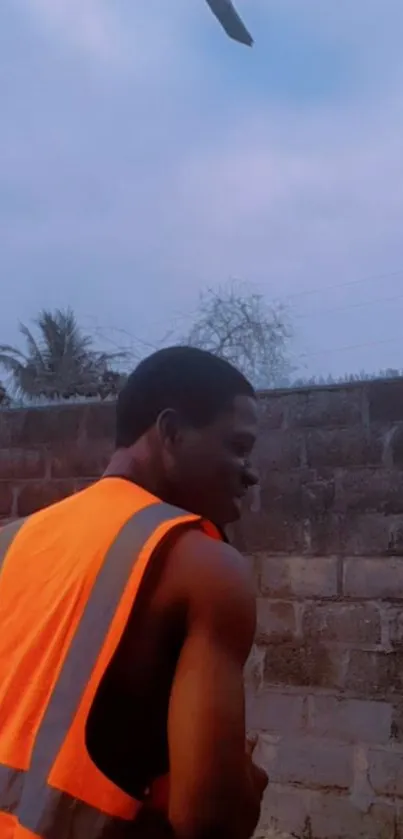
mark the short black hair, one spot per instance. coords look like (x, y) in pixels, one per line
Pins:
(196, 383)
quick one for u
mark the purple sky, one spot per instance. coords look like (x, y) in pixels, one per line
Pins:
(144, 156)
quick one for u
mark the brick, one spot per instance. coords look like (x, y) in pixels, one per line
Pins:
(336, 817)
(279, 450)
(11, 427)
(322, 815)
(394, 617)
(275, 712)
(275, 620)
(303, 665)
(22, 463)
(272, 410)
(285, 809)
(373, 577)
(399, 820)
(100, 421)
(371, 490)
(394, 446)
(36, 495)
(325, 407)
(386, 772)
(6, 499)
(371, 534)
(306, 760)
(346, 623)
(298, 576)
(372, 674)
(355, 720)
(81, 460)
(297, 493)
(324, 535)
(396, 728)
(343, 447)
(254, 668)
(270, 531)
(52, 424)
(385, 401)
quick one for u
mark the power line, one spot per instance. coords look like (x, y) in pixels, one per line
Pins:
(351, 347)
(344, 284)
(359, 305)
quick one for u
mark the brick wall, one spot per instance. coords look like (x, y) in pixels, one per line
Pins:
(325, 534)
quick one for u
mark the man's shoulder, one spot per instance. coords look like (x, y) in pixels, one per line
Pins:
(204, 565)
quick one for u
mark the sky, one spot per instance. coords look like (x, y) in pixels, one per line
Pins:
(144, 156)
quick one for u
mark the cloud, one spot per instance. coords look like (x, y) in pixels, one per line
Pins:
(130, 37)
(187, 159)
(88, 25)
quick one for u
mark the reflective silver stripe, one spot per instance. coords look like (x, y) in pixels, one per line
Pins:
(7, 535)
(63, 816)
(38, 809)
(11, 783)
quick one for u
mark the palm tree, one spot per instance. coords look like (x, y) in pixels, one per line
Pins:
(60, 362)
(5, 400)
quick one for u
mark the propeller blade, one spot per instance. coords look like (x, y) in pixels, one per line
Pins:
(229, 18)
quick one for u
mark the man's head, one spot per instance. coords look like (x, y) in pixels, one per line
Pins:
(187, 423)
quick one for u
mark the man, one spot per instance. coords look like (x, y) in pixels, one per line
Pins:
(125, 624)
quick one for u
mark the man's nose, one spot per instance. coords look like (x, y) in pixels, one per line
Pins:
(251, 476)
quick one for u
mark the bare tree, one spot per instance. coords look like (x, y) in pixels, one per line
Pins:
(239, 325)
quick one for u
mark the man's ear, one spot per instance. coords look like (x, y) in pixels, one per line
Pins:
(169, 427)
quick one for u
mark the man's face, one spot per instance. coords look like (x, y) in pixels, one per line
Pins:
(212, 469)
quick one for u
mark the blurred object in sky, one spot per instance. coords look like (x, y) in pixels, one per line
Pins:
(230, 21)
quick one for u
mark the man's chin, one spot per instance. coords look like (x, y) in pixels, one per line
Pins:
(229, 514)
(234, 512)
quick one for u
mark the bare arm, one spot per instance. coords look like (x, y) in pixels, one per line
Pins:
(212, 792)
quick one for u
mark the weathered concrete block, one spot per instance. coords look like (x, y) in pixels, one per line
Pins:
(355, 720)
(302, 664)
(100, 421)
(385, 401)
(272, 411)
(393, 614)
(81, 460)
(394, 446)
(299, 576)
(373, 674)
(279, 450)
(386, 772)
(371, 490)
(335, 817)
(254, 669)
(371, 534)
(328, 407)
(269, 530)
(306, 760)
(53, 424)
(34, 496)
(306, 814)
(17, 464)
(276, 620)
(373, 577)
(6, 499)
(343, 447)
(275, 711)
(346, 623)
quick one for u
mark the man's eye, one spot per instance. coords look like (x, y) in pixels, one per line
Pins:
(241, 449)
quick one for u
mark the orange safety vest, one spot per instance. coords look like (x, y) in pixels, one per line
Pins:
(69, 576)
